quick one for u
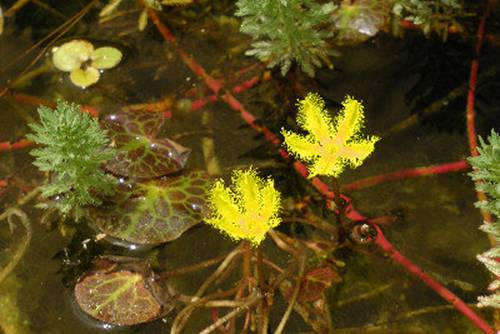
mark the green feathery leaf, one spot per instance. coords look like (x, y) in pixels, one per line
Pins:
(486, 173)
(73, 148)
(287, 31)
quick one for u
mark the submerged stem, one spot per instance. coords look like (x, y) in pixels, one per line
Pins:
(21, 249)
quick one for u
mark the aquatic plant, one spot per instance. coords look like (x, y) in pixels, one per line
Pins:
(486, 173)
(332, 144)
(356, 21)
(287, 31)
(83, 62)
(73, 149)
(431, 15)
(112, 5)
(248, 210)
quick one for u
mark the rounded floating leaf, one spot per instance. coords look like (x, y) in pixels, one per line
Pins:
(106, 57)
(120, 293)
(84, 78)
(140, 154)
(157, 211)
(71, 55)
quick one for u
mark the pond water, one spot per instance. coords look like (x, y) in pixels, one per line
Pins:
(436, 223)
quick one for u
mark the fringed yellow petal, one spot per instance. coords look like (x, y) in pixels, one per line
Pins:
(313, 117)
(323, 165)
(223, 203)
(358, 151)
(227, 227)
(270, 202)
(302, 146)
(246, 185)
(350, 120)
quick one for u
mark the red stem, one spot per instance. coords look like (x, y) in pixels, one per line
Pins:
(36, 101)
(8, 146)
(470, 112)
(351, 213)
(409, 173)
(415, 270)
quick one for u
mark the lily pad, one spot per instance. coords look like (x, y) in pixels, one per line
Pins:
(70, 56)
(121, 293)
(84, 77)
(156, 211)
(106, 57)
(140, 154)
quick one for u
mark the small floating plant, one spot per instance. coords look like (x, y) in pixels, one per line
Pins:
(83, 61)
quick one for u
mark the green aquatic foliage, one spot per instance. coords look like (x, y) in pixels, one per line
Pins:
(437, 14)
(487, 176)
(73, 148)
(156, 211)
(83, 62)
(122, 291)
(140, 153)
(290, 31)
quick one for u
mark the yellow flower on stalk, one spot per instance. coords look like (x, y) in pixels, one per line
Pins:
(248, 210)
(332, 144)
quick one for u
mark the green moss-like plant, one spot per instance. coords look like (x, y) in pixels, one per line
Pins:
(73, 148)
(435, 15)
(287, 31)
(487, 176)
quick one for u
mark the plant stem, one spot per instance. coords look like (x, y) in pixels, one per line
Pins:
(470, 112)
(293, 299)
(446, 294)
(408, 173)
(18, 145)
(192, 268)
(36, 101)
(261, 308)
(252, 300)
(220, 269)
(21, 247)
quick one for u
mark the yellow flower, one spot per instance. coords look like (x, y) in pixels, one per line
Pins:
(248, 210)
(332, 144)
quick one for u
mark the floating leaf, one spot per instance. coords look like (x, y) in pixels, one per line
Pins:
(140, 154)
(84, 78)
(106, 57)
(316, 281)
(71, 55)
(121, 291)
(157, 211)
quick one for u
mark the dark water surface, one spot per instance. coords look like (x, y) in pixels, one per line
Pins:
(438, 228)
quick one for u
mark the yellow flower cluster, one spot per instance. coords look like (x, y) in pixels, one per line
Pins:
(332, 144)
(248, 210)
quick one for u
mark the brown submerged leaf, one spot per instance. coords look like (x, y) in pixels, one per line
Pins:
(156, 211)
(140, 154)
(121, 291)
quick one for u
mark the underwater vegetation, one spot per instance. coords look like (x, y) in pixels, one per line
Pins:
(486, 173)
(73, 149)
(201, 186)
(287, 31)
